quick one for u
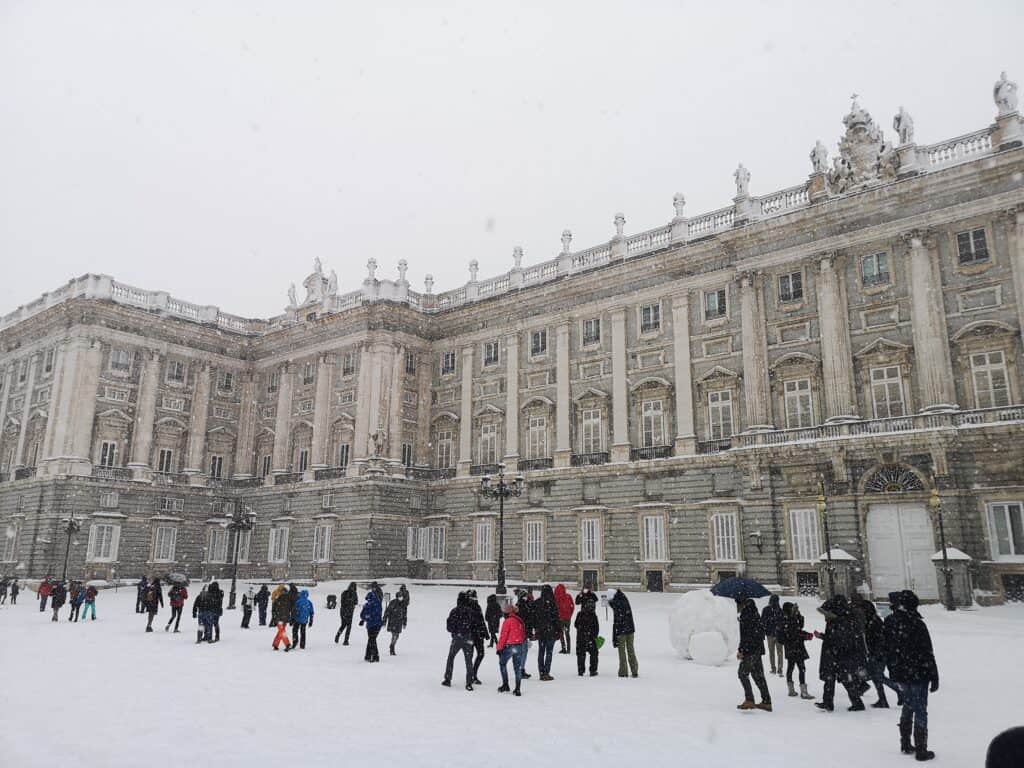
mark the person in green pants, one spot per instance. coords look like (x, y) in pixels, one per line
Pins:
(623, 631)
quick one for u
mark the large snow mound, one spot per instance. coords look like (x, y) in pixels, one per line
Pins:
(703, 628)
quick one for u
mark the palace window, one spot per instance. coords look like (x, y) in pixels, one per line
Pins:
(244, 539)
(653, 421)
(410, 362)
(654, 538)
(108, 454)
(650, 318)
(482, 549)
(539, 343)
(217, 545)
(791, 287)
(108, 500)
(48, 361)
(447, 363)
(171, 504)
(120, 360)
(407, 454)
(308, 373)
(348, 363)
(490, 353)
(303, 460)
(799, 408)
(991, 386)
(225, 381)
(103, 541)
(322, 543)
(590, 539)
(444, 449)
(720, 414)
(887, 391)
(537, 438)
(278, 552)
(591, 331)
(165, 537)
(1007, 530)
(435, 542)
(972, 246)
(488, 443)
(9, 543)
(273, 382)
(874, 269)
(592, 437)
(534, 542)
(724, 536)
(343, 455)
(175, 372)
(715, 304)
(216, 467)
(803, 530)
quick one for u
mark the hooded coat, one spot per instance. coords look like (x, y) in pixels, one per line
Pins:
(281, 608)
(348, 601)
(908, 644)
(262, 596)
(586, 596)
(771, 617)
(622, 616)
(563, 599)
(215, 599)
(546, 621)
(751, 630)
(302, 613)
(587, 626)
(371, 614)
(842, 650)
(461, 619)
(394, 617)
(792, 634)
(480, 632)
(58, 595)
(493, 615)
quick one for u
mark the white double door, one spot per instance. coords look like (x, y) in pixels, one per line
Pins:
(900, 546)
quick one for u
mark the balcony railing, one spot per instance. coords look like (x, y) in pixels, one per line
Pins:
(287, 478)
(705, 447)
(169, 478)
(331, 473)
(526, 465)
(24, 473)
(110, 473)
(650, 452)
(483, 469)
(589, 459)
(219, 482)
(426, 473)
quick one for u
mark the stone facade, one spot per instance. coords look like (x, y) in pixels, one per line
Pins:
(677, 401)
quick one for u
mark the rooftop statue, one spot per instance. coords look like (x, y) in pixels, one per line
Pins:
(1004, 93)
(819, 157)
(903, 124)
(742, 177)
(292, 299)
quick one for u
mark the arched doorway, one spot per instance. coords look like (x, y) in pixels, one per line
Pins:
(899, 532)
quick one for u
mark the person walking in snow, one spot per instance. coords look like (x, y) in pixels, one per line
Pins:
(792, 636)
(90, 602)
(140, 590)
(44, 593)
(215, 605)
(247, 602)
(750, 651)
(587, 630)
(843, 657)
(771, 619)
(911, 660)
(302, 616)
(177, 597)
(3, 591)
(58, 595)
(566, 608)
(77, 597)
(511, 641)
(347, 603)
(548, 627)
(372, 618)
(14, 592)
(623, 632)
(493, 618)
(261, 600)
(201, 612)
(524, 608)
(460, 626)
(394, 620)
(153, 601)
(479, 634)
(874, 644)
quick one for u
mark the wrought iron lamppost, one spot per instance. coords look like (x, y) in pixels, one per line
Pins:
(501, 490)
(830, 569)
(241, 518)
(72, 525)
(936, 506)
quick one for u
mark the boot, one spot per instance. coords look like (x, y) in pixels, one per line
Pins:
(921, 751)
(766, 705)
(503, 688)
(337, 637)
(747, 704)
(856, 706)
(516, 692)
(825, 705)
(905, 729)
(882, 703)
(792, 690)
(803, 692)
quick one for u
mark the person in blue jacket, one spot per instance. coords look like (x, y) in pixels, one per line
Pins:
(370, 616)
(302, 614)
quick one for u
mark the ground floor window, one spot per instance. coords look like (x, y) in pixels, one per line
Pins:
(278, 544)
(165, 537)
(322, 543)
(534, 542)
(103, 541)
(217, 545)
(724, 536)
(1007, 530)
(483, 551)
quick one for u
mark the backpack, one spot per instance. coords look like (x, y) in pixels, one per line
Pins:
(149, 596)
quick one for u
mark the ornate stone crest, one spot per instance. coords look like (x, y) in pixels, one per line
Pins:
(865, 157)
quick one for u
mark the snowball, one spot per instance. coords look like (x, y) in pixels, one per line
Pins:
(699, 613)
(708, 648)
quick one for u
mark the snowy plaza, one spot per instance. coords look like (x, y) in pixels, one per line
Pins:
(105, 694)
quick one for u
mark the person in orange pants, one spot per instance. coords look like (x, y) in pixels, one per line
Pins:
(282, 634)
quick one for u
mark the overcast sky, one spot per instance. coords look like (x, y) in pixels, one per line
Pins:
(213, 149)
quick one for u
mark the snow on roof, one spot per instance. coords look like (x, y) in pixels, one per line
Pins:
(953, 554)
(839, 554)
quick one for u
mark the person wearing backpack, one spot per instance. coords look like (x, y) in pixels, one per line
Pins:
(587, 629)
(90, 602)
(247, 601)
(57, 597)
(201, 612)
(77, 597)
(153, 601)
(302, 615)
(215, 605)
(178, 595)
(346, 607)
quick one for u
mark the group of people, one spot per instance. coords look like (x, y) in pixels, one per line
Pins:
(14, 588)
(75, 594)
(857, 647)
(511, 628)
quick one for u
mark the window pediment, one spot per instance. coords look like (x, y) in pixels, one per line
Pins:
(982, 329)
(883, 348)
(538, 401)
(719, 374)
(651, 382)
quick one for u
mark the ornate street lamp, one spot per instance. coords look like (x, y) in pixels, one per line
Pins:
(830, 569)
(72, 525)
(501, 490)
(241, 518)
(936, 506)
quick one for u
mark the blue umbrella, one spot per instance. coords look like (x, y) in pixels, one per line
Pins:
(739, 588)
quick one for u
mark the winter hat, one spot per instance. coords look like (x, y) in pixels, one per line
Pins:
(508, 607)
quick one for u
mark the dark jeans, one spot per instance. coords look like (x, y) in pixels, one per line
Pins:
(139, 607)
(346, 627)
(462, 643)
(206, 621)
(263, 614)
(547, 648)
(566, 638)
(149, 621)
(582, 649)
(298, 635)
(829, 694)
(175, 618)
(478, 646)
(42, 603)
(750, 666)
(372, 654)
(216, 626)
(246, 617)
(514, 652)
(915, 704)
(790, 663)
(75, 608)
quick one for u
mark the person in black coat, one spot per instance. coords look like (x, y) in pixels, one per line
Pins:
(585, 596)
(874, 644)
(548, 627)
(58, 596)
(911, 660)
(792, 637)
(493, 618)
(395, 619)
(771, 621)
(623, 632)
(215, 605)
(843, 657)
(524, 608)
(460, 626)
(261, 600)
(750, 651)
(153, 600)
(140, 588)
(587, 630)
(346, 606)
(480, 634)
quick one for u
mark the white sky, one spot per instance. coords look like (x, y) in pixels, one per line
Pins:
(212, 149)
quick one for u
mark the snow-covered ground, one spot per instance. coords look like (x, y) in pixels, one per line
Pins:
(105, 694)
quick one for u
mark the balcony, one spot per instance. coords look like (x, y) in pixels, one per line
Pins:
(169, 478)
(110, 473)
(426, 473)
(218, 482)
(332, 473)
(704, 447)
(590, 459)
(526, 465)
(24, 473)
(483, 469)
(650, 452)
(286, 478)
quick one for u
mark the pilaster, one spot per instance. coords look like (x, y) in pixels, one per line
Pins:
(620, 402)
(755, 352)
(686, 439)
(283, 420)
(395, 406)
(836, 360)
(246, 429)
(466, 414)
(321, 414)
(197, 426)
(145, 416)
(82, 410)
(26, 412)
(928, 313)
(512, 400)
(563, 442)
(1015, 229)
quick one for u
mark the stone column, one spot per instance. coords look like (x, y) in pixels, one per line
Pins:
(246, 429)
(620, 395)
(26, 412)
(836, 360)
(466, 414)
(396, 398)
(197, 427)
(81, 412)
(281, 461)
(686, 439)
(563, 408)
(145, 416)
(512, 401)
(321, 415)
(374, 397)
(1016, 231)
(928, 314)
(5, 396)
(61, 412)
(424, 373)
(362, 430)
(51, 409)
(755, 353)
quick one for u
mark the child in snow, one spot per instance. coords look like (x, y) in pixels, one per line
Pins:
(90, 602)
(178, 595)
(792, 636)
(394, 619)
(586, 638)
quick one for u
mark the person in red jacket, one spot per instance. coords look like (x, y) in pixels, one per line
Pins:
(44, 593)
(511, 644)
(566, 608)
(178, 595)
